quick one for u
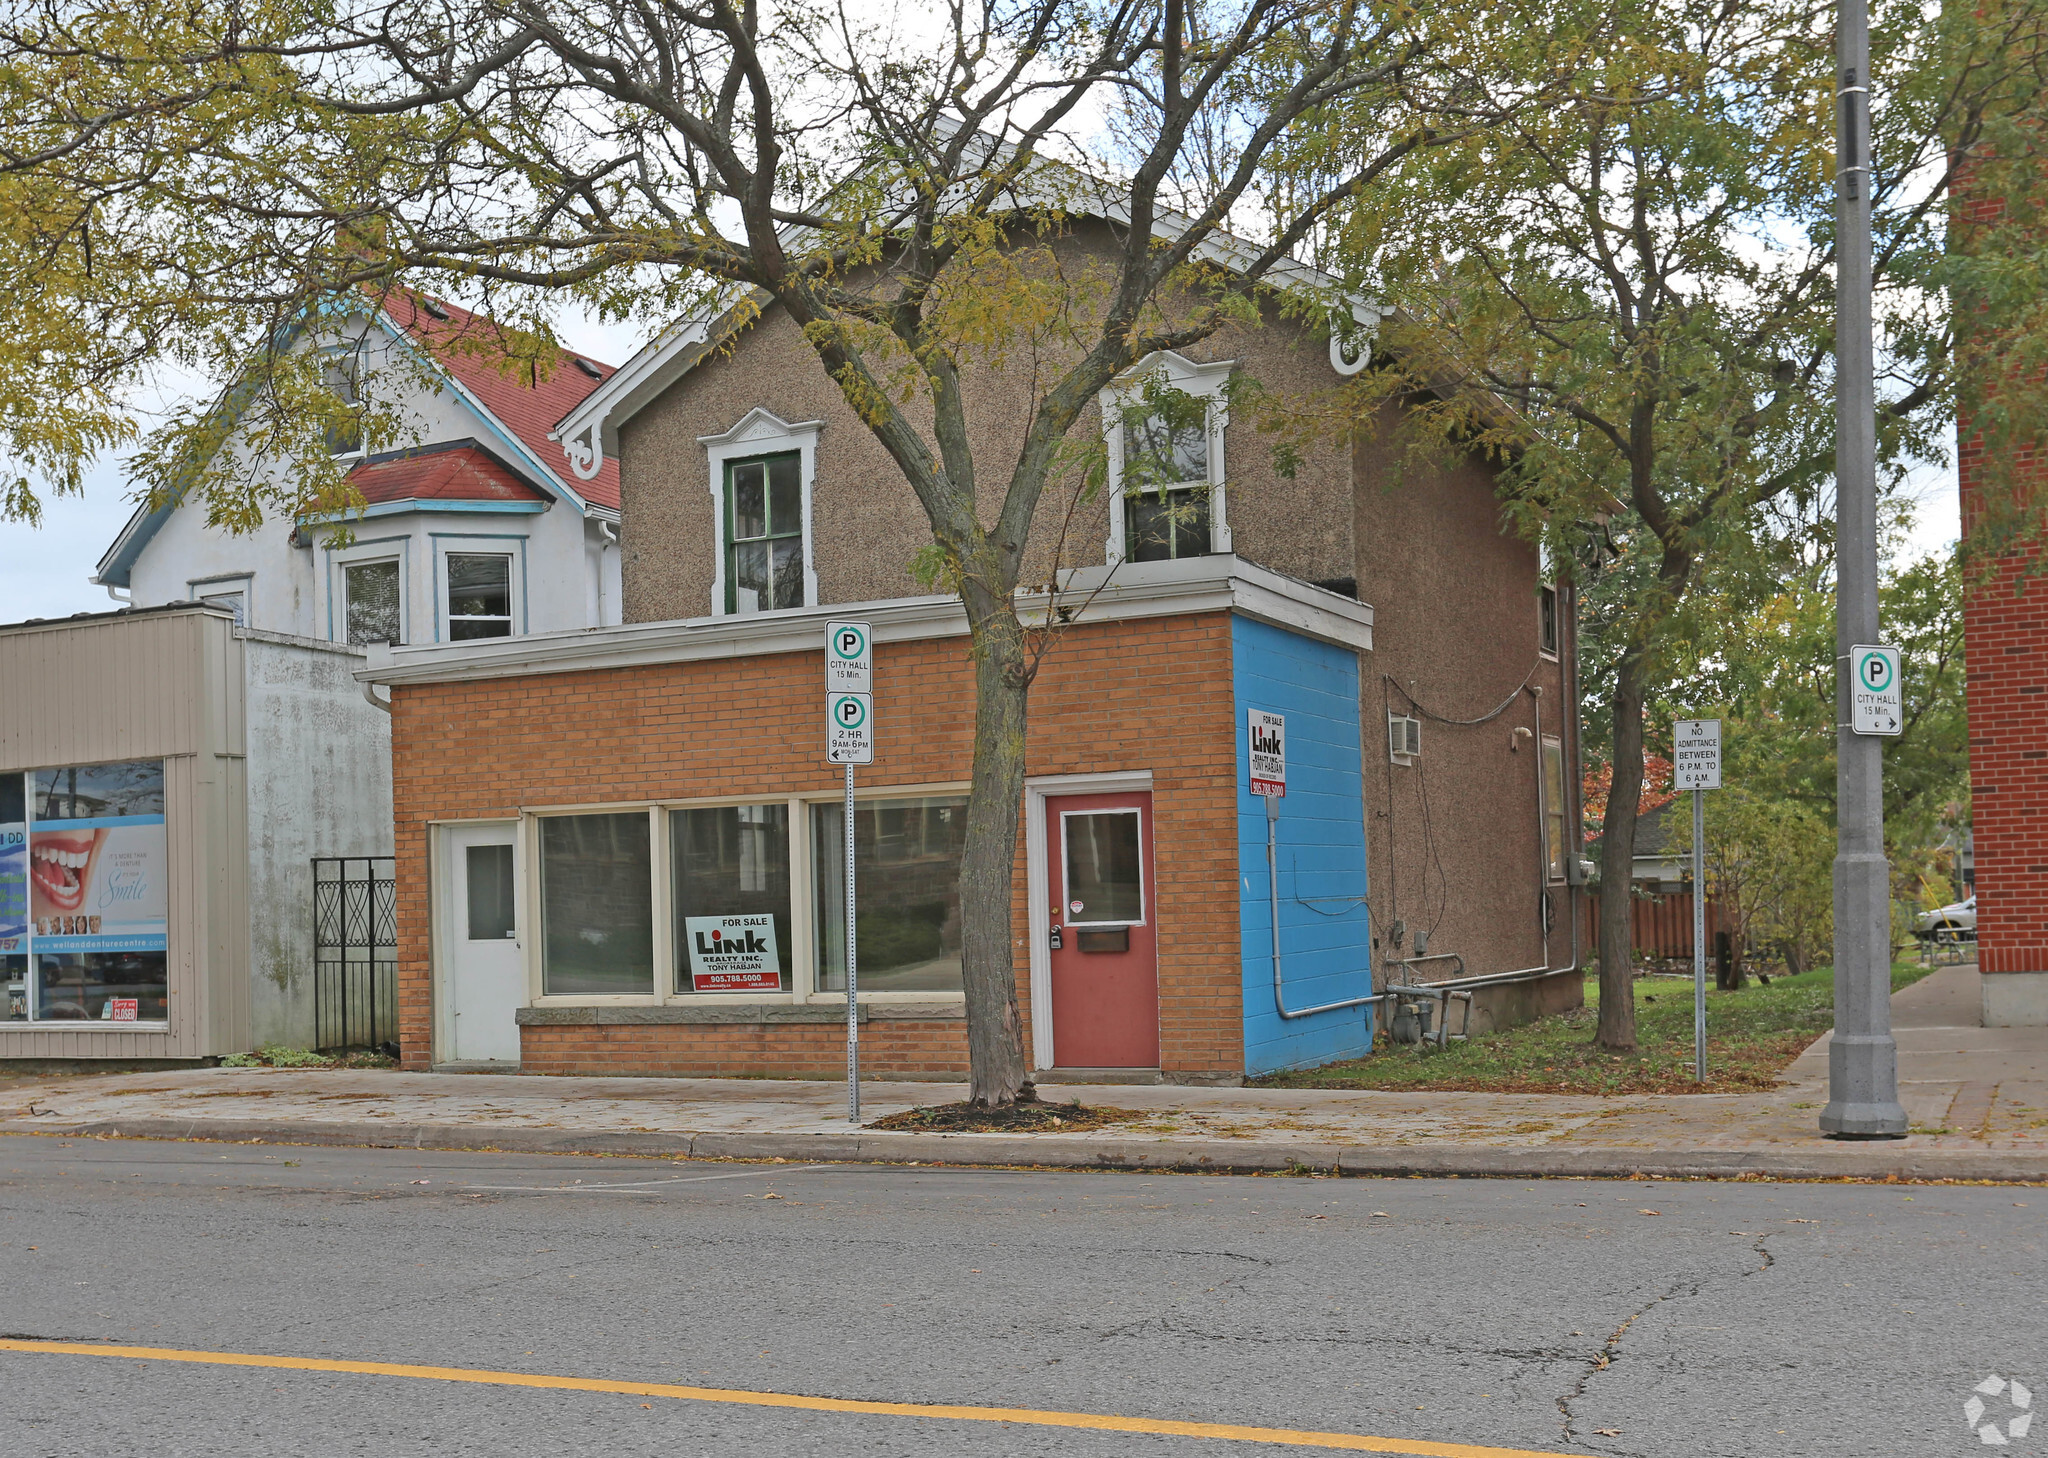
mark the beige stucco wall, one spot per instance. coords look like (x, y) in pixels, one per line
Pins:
(1455, 593)
(165, 685)
(1452, 841)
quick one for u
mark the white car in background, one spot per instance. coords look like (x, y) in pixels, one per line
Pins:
(1953, 923)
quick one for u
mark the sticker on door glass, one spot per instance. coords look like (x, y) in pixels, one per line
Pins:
(1075, 907)
(733, 953)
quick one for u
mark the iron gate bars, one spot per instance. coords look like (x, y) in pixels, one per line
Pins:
(355, 952)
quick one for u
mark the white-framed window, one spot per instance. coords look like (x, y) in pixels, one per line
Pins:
(479, 585)
(368, 591)
(762, 473)
(1555, 845)
(229, 591)
(739, 900)
(1167, 497)
(1548, 630)
(341, 375)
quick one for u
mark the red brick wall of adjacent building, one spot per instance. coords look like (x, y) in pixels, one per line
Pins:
(2005, 630)
(1133, 695)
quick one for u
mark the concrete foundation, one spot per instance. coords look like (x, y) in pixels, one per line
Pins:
(1524, 1002)
(2015, 999)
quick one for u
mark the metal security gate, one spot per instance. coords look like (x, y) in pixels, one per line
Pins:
(355, 952)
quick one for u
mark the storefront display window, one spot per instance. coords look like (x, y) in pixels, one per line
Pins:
(597, 905)
(732, 926)
(907, 869)
(83, 878)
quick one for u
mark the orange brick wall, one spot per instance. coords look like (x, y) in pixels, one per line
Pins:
(1143, 695)
(901, 1047)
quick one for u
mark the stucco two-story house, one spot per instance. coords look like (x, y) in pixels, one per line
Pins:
(1304, 733)
(472, 529)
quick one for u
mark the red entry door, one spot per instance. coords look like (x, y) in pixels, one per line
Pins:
(1105, 970)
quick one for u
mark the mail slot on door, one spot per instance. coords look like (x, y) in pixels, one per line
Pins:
(1111, 939)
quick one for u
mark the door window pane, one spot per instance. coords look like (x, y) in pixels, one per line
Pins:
(479, 596)
(731, 866)
(597, 905)
(1105, 867)
(372, 602)
(488, 881)
(764, 534)
(907, 898)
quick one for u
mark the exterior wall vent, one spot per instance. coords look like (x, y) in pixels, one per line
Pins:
(1404, 738)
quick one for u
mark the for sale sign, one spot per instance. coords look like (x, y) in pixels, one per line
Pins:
(733, 953)
(1266, 738)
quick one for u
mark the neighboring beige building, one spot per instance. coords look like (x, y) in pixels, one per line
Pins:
(166, 780)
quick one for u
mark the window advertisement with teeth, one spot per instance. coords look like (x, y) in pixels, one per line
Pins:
(96, 870)
(14, 896)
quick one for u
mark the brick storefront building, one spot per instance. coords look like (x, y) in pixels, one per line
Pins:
(2005, 624)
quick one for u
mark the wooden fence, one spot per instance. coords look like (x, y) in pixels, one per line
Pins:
(1662, 925)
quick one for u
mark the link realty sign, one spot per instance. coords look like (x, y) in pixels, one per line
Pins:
(733, 953)
(1266, 739)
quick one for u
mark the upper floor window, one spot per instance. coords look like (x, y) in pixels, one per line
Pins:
(344, 434)
(1546, 621)
(1166, 483)
(372, 602)
(1165, 421)
(479, 596)
(764, 534)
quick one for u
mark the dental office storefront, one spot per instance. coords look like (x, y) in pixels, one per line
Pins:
(619, 851)
(166, 779)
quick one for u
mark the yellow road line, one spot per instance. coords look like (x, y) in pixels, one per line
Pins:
(1036, 1417)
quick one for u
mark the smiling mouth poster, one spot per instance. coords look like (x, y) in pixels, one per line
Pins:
(96, 858)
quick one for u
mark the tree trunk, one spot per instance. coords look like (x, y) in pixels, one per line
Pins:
(1617, 1028)
(988, 962)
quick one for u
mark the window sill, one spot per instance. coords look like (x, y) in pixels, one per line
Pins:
(729, 1013)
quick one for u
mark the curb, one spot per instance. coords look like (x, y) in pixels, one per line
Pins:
(1872, 1161)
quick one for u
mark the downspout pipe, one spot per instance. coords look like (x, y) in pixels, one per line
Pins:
(1273, 899)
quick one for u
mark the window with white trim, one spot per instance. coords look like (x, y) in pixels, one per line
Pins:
(1164, 423)
(1546, 622)
(373, 601)
(341, 377)
(764, 533)
(479, 595)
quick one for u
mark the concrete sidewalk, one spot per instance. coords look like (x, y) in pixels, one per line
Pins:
(1977, 1097)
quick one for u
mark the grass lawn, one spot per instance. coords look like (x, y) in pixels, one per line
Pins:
(1751, 1035)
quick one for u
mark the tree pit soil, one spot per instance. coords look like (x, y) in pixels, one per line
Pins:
(1025, 1118)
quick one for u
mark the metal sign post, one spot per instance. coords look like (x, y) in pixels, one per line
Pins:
(850, 740)
(1696, 766)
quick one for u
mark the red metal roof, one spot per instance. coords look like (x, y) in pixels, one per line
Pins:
(472, 349)
(458, 472)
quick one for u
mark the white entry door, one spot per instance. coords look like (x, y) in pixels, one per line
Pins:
(485, 979)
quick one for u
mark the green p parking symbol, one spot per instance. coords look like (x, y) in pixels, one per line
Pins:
(1877, 704)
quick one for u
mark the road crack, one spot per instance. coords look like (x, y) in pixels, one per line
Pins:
(1610, 1350)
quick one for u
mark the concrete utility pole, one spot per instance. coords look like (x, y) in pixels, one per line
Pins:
(1863, 1068)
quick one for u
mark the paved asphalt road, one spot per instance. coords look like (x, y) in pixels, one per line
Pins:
(1740, 1319)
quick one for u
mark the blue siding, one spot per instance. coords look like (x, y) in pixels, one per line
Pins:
(1325, 932)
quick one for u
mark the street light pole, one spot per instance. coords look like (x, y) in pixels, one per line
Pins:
(1863, 1072)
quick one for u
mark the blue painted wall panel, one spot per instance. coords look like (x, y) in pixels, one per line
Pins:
(1325, 933)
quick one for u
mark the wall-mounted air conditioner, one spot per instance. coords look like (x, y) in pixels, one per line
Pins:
(1404, 738)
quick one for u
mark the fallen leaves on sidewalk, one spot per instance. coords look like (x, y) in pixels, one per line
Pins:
(1031, 1118)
